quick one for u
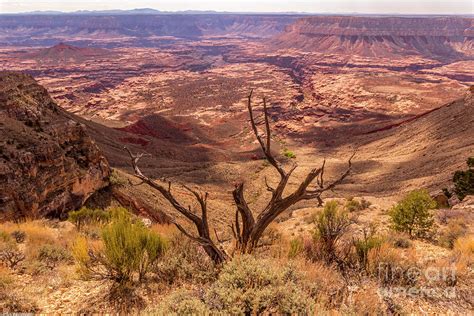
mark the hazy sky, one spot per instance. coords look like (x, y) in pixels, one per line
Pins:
(314, 6)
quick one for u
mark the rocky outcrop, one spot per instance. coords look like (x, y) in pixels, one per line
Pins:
(48, 165)
(381, 36)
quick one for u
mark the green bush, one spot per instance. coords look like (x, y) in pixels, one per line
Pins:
(464, 180)
(129, 249)
(247, 285)
(289, 154)
(87, 216)
(331, 224)
(413, 214)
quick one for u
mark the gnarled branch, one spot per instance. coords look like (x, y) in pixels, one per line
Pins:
(201, 223)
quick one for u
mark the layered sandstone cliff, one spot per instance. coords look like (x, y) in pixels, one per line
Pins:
(48, 165)
(381, 36)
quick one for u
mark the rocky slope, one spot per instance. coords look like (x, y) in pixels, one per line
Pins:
(48, 165)
(381, 36)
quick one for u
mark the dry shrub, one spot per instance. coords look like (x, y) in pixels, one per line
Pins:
(331, 224)
(353, 205)
(455, 229)
(271, 236)
(464, 254)
(37, 235)
(53, 255)
(389, 265)
(399, 240)
(10, 255)
(324, 284)
(366, 301)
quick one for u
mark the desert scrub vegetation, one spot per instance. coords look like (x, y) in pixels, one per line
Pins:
(87, 216)
(184, 262)
(289, 154)
(248, 285)
(353, 205)
(464, 180)
(10, 255)
(116, 179)
(454, 229)
(365, 244)
(331, 224)
(52, 255)
(413, 214)
(128, 250)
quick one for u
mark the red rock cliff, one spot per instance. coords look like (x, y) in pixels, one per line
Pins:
(48, 165)
(381, 36)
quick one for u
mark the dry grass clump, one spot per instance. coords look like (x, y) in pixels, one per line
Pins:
(464, 253)
(365, 301)
(455, 229)
(353, 205)
(390, 267)
(33, 247)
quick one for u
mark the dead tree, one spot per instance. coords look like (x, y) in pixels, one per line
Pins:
(215, 252)
(246, 228)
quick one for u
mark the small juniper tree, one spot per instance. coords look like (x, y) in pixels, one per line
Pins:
(464, 180)
(413, 214)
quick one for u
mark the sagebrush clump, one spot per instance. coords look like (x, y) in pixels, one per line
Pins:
(247, 285)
